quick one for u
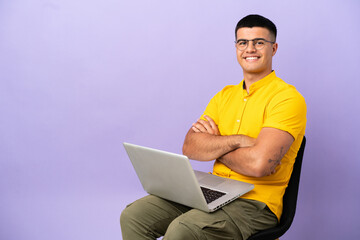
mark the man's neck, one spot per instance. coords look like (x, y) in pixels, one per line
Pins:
(251, 78)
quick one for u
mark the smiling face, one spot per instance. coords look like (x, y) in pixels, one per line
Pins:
(256, 64)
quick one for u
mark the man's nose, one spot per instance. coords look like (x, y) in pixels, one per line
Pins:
(251, 47)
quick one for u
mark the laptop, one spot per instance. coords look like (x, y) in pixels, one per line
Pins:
(170, 176)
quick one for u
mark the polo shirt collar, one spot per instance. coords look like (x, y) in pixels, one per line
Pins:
(260, 83)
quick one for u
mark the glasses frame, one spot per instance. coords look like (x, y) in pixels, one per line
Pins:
(252, 40)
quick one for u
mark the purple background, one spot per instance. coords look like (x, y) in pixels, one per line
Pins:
(78, 78)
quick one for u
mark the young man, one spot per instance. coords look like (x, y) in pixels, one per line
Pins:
(254, 131)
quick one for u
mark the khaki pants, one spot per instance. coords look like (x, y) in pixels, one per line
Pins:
(151, 217)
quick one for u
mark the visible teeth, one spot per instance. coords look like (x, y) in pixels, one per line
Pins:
(251, 58)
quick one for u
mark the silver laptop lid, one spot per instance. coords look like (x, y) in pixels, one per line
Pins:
(167, 175)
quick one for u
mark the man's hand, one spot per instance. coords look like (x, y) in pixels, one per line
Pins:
(208, 126)
(210, 144)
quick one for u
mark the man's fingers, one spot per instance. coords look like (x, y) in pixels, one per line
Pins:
(199, 126)
(211, 122)
(205, 124)
(195, 129)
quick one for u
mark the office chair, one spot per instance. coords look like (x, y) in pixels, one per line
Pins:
(289, 202)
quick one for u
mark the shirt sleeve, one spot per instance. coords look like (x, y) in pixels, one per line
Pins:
(212, 109)
(287, 112)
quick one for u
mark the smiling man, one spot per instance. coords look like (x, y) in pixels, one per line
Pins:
(255, 53)
(253, 130)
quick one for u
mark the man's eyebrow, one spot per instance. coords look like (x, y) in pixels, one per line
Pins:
(243, 39)
(259, 39)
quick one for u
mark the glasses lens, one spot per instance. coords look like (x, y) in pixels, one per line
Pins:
(259, 44)
(242, 45)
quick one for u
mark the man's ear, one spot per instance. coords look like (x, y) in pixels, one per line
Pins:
(275, 48)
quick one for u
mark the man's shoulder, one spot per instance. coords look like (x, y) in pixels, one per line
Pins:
(230, 89)
(280, 85)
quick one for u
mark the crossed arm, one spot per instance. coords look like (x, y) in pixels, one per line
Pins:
(245, 155)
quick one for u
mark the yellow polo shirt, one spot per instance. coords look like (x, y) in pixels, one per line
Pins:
(270, 103)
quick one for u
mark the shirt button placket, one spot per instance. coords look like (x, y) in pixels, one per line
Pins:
(238, 121)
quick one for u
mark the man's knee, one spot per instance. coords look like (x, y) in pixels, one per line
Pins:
(126, 216)
(179, 230)
(148, 215)
(132, 223)
(133, 212)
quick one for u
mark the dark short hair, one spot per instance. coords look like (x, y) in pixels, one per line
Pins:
(255, 20)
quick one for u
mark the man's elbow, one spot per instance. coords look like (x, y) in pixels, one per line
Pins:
(188, 150)
(259, 173)
(185, 150)
(261, 168)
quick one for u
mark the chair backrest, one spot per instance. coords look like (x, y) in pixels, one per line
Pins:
(289, 202)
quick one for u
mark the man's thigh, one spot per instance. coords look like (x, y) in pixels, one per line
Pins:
(196, 224)
(237, 220)
(149, 217)
(250, 216)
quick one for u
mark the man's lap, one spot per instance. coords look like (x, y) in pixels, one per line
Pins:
(237, 220)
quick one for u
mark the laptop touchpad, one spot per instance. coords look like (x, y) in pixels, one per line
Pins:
(211, 180)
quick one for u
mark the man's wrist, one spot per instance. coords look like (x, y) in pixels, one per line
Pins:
(246, 141)
(238, 141)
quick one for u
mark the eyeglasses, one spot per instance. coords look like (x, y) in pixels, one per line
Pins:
(259, 43)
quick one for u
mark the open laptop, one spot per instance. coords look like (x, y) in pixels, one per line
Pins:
(170, 176)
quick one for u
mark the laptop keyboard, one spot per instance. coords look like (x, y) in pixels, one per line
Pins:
(211, 195)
